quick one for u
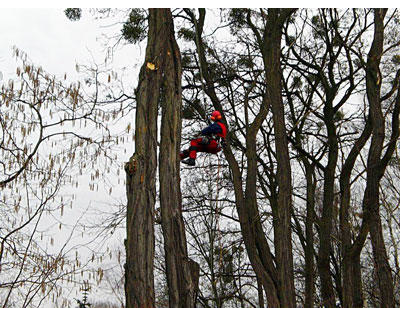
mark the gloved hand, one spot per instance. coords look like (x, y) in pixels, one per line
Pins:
(205, 140)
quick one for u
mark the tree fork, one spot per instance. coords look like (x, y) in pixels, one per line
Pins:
(141, 173)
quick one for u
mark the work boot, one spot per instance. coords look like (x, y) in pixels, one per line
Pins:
(189, 162)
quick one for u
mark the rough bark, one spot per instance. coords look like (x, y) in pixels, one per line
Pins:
(283, 237)
(141, 173)
(182, 288)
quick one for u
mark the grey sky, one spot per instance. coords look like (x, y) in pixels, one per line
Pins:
(48, 38)
(57, 44)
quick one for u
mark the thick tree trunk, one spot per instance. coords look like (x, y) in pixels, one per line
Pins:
(141, 175)
(283, 239)
(181, 287)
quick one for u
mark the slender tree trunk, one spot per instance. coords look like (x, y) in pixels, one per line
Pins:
(250, 216)
(181, 287)
(309, 249)
(141, 173)
(260, 294)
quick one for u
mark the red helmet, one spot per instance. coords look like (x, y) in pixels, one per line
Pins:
(216, 116)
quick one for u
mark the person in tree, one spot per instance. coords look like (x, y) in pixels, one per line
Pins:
(212, 137)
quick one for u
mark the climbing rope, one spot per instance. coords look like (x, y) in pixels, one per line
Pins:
(217, 220)
(215, 211)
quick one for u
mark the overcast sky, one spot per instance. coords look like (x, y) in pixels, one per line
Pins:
(52, 41)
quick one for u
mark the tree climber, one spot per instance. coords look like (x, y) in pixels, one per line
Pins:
(212, 138)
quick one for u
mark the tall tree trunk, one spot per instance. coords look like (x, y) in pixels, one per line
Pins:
(350, 262)
(141, 173)
(325, 247)
(250, 219)
(283, 239)
(181, 288)
(375, 169)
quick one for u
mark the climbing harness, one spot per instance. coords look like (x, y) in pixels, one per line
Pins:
(205, 140)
